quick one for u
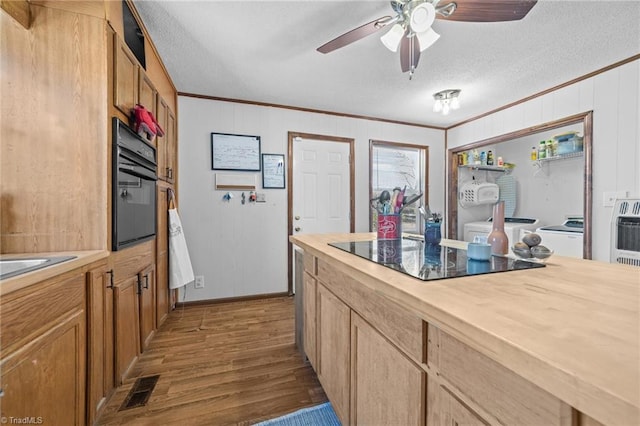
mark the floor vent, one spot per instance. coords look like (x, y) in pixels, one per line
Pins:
(140, 392)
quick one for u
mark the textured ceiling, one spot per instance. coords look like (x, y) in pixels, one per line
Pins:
(265, 51)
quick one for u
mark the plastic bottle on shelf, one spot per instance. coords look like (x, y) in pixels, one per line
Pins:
(489, 158)
(549, 149)
(542, 150)
(476, 157)
(534, 153)
(483, 158)
(500, 162)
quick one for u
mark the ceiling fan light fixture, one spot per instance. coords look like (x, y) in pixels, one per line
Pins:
(422, 17)
(427, 38)
(437, 106)
(445, 108)
(391, 39)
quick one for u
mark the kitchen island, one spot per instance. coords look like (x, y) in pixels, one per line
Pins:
(552, 345)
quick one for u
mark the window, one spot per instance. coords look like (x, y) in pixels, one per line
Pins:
(399, 165)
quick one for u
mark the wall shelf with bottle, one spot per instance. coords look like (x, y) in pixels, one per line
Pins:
(503, 169)
(561, 157)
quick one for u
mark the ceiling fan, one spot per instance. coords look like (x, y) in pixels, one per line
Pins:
(411, 26)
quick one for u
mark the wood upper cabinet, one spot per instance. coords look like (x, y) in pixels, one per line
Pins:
(127, 328)
(147, 93)
(125, 77)
(386, 387)
(100, 334)
(147, 304)
(333, 350)
(43, 353)
(167, 145)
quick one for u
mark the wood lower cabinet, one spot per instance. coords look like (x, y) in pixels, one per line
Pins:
(43, 353)
(162, 256)
(309, 317)
(127, 328)
(447, 410)
(147, 304)
(100, 335)
(333, 339)
(386, 387)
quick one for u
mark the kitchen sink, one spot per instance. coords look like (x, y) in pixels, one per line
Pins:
(12, 267)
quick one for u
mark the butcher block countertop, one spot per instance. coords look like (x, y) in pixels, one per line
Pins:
(572, 328)
(18, 282)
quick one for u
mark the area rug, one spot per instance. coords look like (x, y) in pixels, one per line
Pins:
(319, 415)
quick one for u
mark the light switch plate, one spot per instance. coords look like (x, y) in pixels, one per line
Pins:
(260, 198)
(609, 197)
(200, 281)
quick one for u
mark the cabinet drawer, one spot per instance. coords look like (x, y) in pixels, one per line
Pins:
(477, 379)
(405, 330)
(29, 312)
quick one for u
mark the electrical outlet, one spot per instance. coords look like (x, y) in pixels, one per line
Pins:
(260, 198)
(200, 281)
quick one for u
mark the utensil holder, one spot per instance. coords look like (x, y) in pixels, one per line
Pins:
(389, 226)
(432, 232)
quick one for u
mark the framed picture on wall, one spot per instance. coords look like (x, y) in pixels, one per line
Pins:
(273, 171)
(235, 152)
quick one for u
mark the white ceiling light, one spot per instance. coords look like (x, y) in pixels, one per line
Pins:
(446, 100)
(422, 17)
(427, 38)
(392, 38)
(420, 21)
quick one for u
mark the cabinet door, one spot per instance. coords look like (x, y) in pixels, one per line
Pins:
(171, 148)
(446, 410)
(146, 93)
(386, 387)
(147, 299)
(127, 339)
(333, 341)
(100, 340)
(46, 382)
(309, 315)
(125, 77)
(162, 257)
(162, 109)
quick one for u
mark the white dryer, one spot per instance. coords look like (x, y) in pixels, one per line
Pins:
(513, 227)
(565, 239)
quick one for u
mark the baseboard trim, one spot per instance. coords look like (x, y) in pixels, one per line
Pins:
(232, 299)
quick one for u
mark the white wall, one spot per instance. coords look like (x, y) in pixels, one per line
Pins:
(242, 249)
(614, 97)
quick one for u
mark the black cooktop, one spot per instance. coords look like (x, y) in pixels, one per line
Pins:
(430, 261)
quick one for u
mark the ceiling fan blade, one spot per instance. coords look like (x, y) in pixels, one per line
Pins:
(354, 35)
(489, 10)
(409, 53)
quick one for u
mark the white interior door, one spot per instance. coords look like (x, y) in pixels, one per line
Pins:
(321, 186)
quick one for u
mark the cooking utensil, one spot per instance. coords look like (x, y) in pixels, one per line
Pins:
(410, 201)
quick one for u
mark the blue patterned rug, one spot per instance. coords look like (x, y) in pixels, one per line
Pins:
(319, 415)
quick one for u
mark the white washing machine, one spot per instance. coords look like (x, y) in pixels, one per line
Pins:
(565, 239)
(513, 227)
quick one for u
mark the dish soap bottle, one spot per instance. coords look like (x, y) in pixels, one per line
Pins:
(534, 153)
(498, 238)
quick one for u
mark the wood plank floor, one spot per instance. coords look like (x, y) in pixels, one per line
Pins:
(222, 364)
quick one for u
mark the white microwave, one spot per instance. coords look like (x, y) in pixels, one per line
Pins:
(625, 232)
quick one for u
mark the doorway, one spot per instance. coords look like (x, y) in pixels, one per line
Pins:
(321, 187)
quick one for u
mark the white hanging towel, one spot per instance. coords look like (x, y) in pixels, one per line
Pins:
(180, 269)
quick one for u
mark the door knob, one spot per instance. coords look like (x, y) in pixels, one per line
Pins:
(297, 218)
(297, 229)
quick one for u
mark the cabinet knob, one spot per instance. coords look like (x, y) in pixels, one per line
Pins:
(297, 218)
(297, 229)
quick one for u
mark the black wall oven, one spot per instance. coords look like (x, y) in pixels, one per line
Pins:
(134, 188)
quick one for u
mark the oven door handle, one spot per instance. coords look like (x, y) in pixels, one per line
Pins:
(140, 172)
